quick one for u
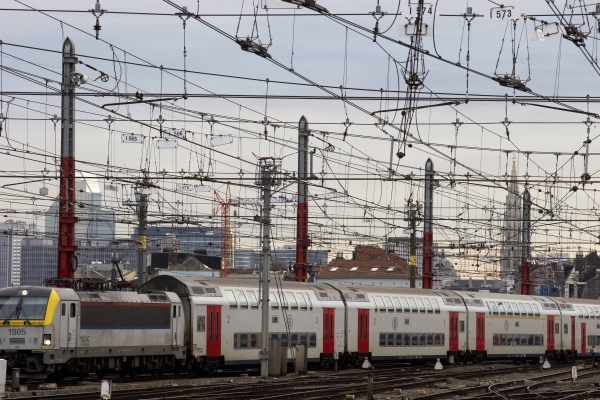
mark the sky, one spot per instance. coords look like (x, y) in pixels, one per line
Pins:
(465, 139)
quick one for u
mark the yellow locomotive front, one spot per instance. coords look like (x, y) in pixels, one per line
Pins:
(26, 328)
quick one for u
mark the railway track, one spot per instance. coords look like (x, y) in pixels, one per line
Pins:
(313, 387)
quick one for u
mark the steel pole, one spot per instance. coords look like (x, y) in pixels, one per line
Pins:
(412, 262)
(66, 213)
(142, 241)
(302, 217)
(428, 228)
(525, 281)
(266, 229)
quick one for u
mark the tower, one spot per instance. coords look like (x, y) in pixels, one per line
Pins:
(510, 252)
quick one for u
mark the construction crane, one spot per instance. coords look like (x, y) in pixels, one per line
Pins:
(223, 207)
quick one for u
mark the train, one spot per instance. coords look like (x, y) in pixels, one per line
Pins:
(195, 324)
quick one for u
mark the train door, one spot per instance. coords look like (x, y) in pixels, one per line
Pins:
(175, 326)
(573, 333)
(583, 341)
(363, 331)
(550, 331)
(328, 330)
(72, 325)
(453, 334)
(480, 332)
(213, 337)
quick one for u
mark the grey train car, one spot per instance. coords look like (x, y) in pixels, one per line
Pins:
(57, 332)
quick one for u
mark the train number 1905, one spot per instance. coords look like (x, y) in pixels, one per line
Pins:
(84, 341)
(17, 331)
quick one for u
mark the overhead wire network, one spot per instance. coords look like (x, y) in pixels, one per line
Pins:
(358, 194)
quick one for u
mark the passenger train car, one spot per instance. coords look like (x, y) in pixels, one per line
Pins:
(196, 324)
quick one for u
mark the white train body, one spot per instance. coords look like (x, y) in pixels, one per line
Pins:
(182, 323)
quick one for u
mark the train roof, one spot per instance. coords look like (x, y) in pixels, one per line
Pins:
(185, 285)
(38, 291)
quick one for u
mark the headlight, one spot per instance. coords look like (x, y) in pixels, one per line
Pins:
(47, 339)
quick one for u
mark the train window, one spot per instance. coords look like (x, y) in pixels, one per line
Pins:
(430, 340)
(283, 300)
(179, 310)
(428, 306)
(273, 300)
(437, 341)
(284, 339)
(436, 306)
(524, 340)
(274, 319)
(308, 301)
(443, 339)
(252, 298)
(556, 328)
(591, 341)
(398, 339)
(515, 309)
(530, 340)
(382, 339)
(294, 339)
(388, 303)
(413, 304)
(584, 312)
(405, 305)
(63, 309)
(174, 312)
(496, 339)
(522, 309)
(422, 340)
(537, 339)
(406, 321)
(407, 340)
(301, 300)
(291, 300)
(397, 304)
(236, 342)
(536, 310)
(243, 340)
(421, 305)
(493, 307)
(390, 339)
(529, 310)
(502, 340)
(516, 340)
(242, 298)
(303, 338)
(254, 340)
(501, 309)
(414, 339)
(231, 298)
(379, 303)
(312, 340)
(72, 310)
(200, 323)
(462, 326)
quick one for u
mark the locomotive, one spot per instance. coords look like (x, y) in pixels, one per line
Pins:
(192, 324)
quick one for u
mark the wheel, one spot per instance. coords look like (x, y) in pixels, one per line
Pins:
(155, 373)
(100, 372)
